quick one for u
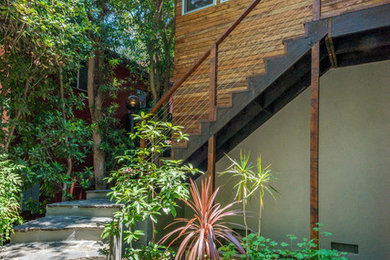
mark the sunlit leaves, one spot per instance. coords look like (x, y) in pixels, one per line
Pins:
(145, 186)
(250, 180)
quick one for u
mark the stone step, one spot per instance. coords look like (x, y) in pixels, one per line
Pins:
(60, 228)
(90, 208)
(97, 194)
(64, 250)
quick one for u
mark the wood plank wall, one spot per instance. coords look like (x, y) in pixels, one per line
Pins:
(336, 7)
(242, 54)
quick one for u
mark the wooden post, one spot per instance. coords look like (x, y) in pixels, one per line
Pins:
(314, 129)
(142, 143)
(316, 10)
(314, 139)
(212, 114)
(213, 82)
(211, 160)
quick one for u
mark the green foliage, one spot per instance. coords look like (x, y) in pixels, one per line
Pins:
(42, 44)
(150, 41)
(250, 181)
(38, 38)
(258, 247)
(10, 189)
(115, 139)
(150, 252)
(145, 187)
(46, 142)
(243, 170)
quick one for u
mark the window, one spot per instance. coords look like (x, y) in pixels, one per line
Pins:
(193, 5)
(81, 77)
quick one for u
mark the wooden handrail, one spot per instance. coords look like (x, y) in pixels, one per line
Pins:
(221, 38)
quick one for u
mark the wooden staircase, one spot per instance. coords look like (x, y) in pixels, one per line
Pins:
(286, 76)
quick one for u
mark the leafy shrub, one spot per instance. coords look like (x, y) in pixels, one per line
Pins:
(145, 185)
(10, 190)
(264, 248)
(52, 148)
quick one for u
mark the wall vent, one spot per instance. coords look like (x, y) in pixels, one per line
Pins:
(348, 248)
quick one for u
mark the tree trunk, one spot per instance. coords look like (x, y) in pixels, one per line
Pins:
(99, 158)
(152, 82)
(95, 99)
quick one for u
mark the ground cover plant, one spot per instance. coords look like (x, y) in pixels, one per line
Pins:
(258, 247)
(146, 186)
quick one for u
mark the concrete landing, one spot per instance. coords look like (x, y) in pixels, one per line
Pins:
(69, 250)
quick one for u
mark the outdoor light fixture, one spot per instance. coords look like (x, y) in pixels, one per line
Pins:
(133, 105)
(133, 102)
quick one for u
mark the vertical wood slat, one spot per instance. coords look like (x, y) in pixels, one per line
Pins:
(212, 149)
(314, 130)
(213, 82)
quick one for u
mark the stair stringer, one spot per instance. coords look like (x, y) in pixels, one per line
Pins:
(275, 67)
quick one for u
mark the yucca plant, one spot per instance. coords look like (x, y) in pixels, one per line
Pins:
(261, 182)
(201, 234)
(243, 170)
(250, 181)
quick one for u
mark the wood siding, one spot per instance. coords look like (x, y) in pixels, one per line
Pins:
(261, 35)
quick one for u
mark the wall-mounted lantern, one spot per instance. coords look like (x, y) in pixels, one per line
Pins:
(133, 105)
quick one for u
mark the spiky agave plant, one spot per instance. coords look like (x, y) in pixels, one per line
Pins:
(201, 233)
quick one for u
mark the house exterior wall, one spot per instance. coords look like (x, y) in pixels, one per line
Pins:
(196, 31)
(354, 165)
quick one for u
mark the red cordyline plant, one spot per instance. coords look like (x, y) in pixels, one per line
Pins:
(201, 233)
